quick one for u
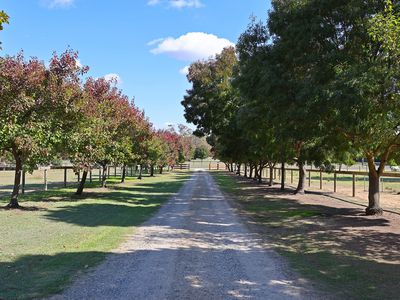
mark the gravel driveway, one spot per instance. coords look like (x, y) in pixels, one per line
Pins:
(195, 247)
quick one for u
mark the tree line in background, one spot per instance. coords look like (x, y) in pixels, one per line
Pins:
(318, 83)
(49, 112)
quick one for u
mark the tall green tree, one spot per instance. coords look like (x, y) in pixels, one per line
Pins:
(211, 101)
(365, 94)
(347, 54)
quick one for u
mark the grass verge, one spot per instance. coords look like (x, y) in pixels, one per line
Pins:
(41, 250)
(347, 255)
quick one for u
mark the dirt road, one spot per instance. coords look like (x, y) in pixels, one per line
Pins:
(195, 247)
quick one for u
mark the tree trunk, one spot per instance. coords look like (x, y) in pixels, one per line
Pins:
(374, 207)
(255, 172)
(231, 167)
(161, 170)
(140, 172)
(123, 174)
(271, 175)
(151, 171)
(238, 169)
(283, 176)
(251, 171)
(104, 179)
(245, 170)
(17, 181)
(302, 179)
(81, 185)
(260, 174)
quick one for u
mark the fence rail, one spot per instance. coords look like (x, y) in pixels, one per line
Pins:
(350, 182)
(58, 177)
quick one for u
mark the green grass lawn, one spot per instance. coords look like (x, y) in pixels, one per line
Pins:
(41, 250)
(332, 247)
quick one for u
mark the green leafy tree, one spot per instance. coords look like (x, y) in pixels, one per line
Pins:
(348, 57)
(200, 153)
(4, 19)
(210, 102)
(368, 81)
(156, 152)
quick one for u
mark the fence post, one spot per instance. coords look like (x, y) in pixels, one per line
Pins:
(334, 182)
(23, 182)
(320, 180)
(217, 166)
(115, 171)
(108, 172)
(364, 183)
(309, 178)
(283, 176)
(45, 179)
(354, 185)
(65, 177)
(291, 176)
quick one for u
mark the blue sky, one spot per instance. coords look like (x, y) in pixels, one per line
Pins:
(146, 43)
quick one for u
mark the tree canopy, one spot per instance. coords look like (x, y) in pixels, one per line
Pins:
(318, 83)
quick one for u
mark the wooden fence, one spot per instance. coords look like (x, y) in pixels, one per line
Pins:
(353, 177)
(60, 176)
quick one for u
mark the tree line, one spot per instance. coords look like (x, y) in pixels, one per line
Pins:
(317, 83)
(54, 110)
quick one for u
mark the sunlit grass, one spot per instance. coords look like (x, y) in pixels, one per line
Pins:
(41, 249)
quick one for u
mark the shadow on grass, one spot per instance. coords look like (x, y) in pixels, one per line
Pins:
(354, 256)
(130, 205)
(105, 214)
(36, 276)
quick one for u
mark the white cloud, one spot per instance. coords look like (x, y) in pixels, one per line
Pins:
(185, 3)
(191, 46)
(177, 3)
(184, 70)
(153, 2)
(58, 3)
(113, 77)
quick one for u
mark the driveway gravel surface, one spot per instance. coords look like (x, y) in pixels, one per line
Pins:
(195, 247)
